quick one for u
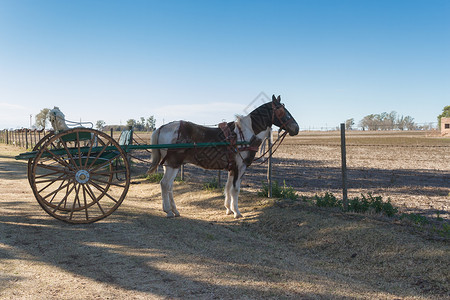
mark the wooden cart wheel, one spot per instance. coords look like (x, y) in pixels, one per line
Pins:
(80, 175)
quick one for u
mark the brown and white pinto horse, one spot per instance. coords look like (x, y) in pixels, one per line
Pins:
(252, 128)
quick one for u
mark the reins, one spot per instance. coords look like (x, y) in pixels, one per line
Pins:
(282, 136)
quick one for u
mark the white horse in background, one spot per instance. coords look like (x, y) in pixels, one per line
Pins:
(58, 120)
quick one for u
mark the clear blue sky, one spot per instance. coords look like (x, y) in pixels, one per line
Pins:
(205, 61)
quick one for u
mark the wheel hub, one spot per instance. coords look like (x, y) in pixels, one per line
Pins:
(82, 176)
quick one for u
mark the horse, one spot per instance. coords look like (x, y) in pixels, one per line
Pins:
(234, 158)
(58, 120)
(59, 124)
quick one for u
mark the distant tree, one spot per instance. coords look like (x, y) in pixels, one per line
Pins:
(387, 121)
(41, 118)
(401, 123)
(150, 124)
(349, 124)
(409, 123)
(445, 114)
(390, 120)
(370, 122)
(131, 122)
(427, 126)
(100, 124)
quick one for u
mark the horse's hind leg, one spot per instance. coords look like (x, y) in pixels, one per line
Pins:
(232, 189)
(167, 192)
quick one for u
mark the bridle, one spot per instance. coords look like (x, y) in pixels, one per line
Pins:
(280, 113)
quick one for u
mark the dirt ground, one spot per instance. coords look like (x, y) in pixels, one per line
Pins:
(412, 169)
(280, 250)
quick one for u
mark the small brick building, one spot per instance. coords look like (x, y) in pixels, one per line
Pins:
(445, 126)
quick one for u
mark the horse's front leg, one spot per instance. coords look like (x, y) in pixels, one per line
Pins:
(227, 192)
(235, 189)
(167, 192)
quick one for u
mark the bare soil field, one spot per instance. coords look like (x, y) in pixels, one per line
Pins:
(410, 168)
(281, 249)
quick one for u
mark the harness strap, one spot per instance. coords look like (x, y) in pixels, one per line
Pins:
(245, 148)
(232, 139)
(282, 136)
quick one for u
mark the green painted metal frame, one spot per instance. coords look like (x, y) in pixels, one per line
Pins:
(126, 148)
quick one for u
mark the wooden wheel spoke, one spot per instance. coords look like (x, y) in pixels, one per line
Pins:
(59, 188)
(104, 191)
(96, 200)
(108, 173)
(52, 168)
(52, 180)
(48, 185)
(64, 199)
(107, 182)
(70, 154)
(59, 160)
(85, 203)
(91, 193)
(79, 150)
(76, 199)
(98, 155)
(104, 164)
(91, 145)
(47, 175)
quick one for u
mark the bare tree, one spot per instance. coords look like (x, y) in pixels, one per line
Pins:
(41, 118)
(349, 124)
(100, 124)
(409, 123)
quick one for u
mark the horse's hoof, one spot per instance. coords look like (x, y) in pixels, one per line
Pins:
(176, 213)
(238, 216)
(171, 215)
(229, 212)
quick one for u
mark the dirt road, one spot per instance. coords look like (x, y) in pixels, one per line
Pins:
(279, 250)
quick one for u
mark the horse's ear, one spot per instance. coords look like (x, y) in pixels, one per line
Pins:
(279, 98)
(273, 98)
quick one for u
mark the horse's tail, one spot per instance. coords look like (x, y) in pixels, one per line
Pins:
(156, 153)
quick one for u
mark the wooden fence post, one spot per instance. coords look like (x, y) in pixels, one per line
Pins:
(344, 168)
(269, 166)
(26, 138)
(182, 173)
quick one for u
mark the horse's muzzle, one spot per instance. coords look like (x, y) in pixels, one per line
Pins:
(293, 129)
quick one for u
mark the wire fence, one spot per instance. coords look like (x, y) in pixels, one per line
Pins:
(24, 138)
(410, 168)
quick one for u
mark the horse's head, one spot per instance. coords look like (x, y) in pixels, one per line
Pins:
(57, 119)
(282, 118)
